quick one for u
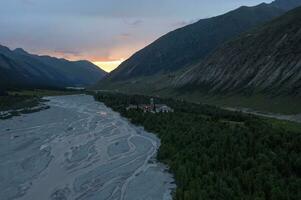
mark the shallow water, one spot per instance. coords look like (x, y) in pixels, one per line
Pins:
(79, 149)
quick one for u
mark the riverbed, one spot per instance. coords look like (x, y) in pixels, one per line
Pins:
(79, 149)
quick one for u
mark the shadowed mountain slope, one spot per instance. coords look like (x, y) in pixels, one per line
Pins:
(190, 44)
(21, 69)
(266, 60)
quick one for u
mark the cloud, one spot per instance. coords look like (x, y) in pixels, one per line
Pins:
(136, 22)
(125, 35)
(98, 30)
(133, 22)
(66, 51)
(184, 23)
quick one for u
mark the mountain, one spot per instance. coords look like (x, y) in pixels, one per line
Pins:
(266, 60)
(21, 69)
(286, 4)
(190, 44)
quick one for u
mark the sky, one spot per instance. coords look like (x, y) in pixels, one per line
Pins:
(105, 32)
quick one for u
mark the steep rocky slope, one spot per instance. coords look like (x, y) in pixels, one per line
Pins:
(21, 69)
(286, 4)
(266, 60)
(188, 45)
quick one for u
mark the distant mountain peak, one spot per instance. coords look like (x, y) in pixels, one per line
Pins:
(286, 4)
(20, 51)
(190, 44)
(265, 60)
(19, 68)
(3, 48)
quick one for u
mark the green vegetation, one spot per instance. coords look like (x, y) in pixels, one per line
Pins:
(16, 104)
(16, 101)
(265, 103)
(160, 85)
(218, 154)
(283, 124)
(43, 93)
(27, 101)
(28, 98)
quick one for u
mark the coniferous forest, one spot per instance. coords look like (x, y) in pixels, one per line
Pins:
(218, 154)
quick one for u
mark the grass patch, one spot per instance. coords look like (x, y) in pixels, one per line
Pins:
(161, 85)
(280, 105)
(27, 101)
(285, 125)
(43, 93)
(16, 101)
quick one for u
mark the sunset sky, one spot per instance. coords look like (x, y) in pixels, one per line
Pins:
(106, 32)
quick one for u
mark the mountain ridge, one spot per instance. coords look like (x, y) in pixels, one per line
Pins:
(286, 4)
(190, 44)
(254, 63)
(19, 68)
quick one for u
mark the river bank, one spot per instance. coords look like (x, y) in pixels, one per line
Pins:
(79, 149)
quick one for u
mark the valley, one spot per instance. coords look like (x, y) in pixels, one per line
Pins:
(79, 149)
(248, 69)
(204, 105)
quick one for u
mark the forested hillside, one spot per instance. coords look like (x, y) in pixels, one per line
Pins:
(218, 154)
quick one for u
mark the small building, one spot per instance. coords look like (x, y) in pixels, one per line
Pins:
(132, 107)
(152, 107)
(146, 108)
(162, 108)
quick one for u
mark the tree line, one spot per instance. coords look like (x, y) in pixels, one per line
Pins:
(219, 154)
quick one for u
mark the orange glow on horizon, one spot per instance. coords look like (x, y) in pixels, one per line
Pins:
(106, 61)
(108, 66)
